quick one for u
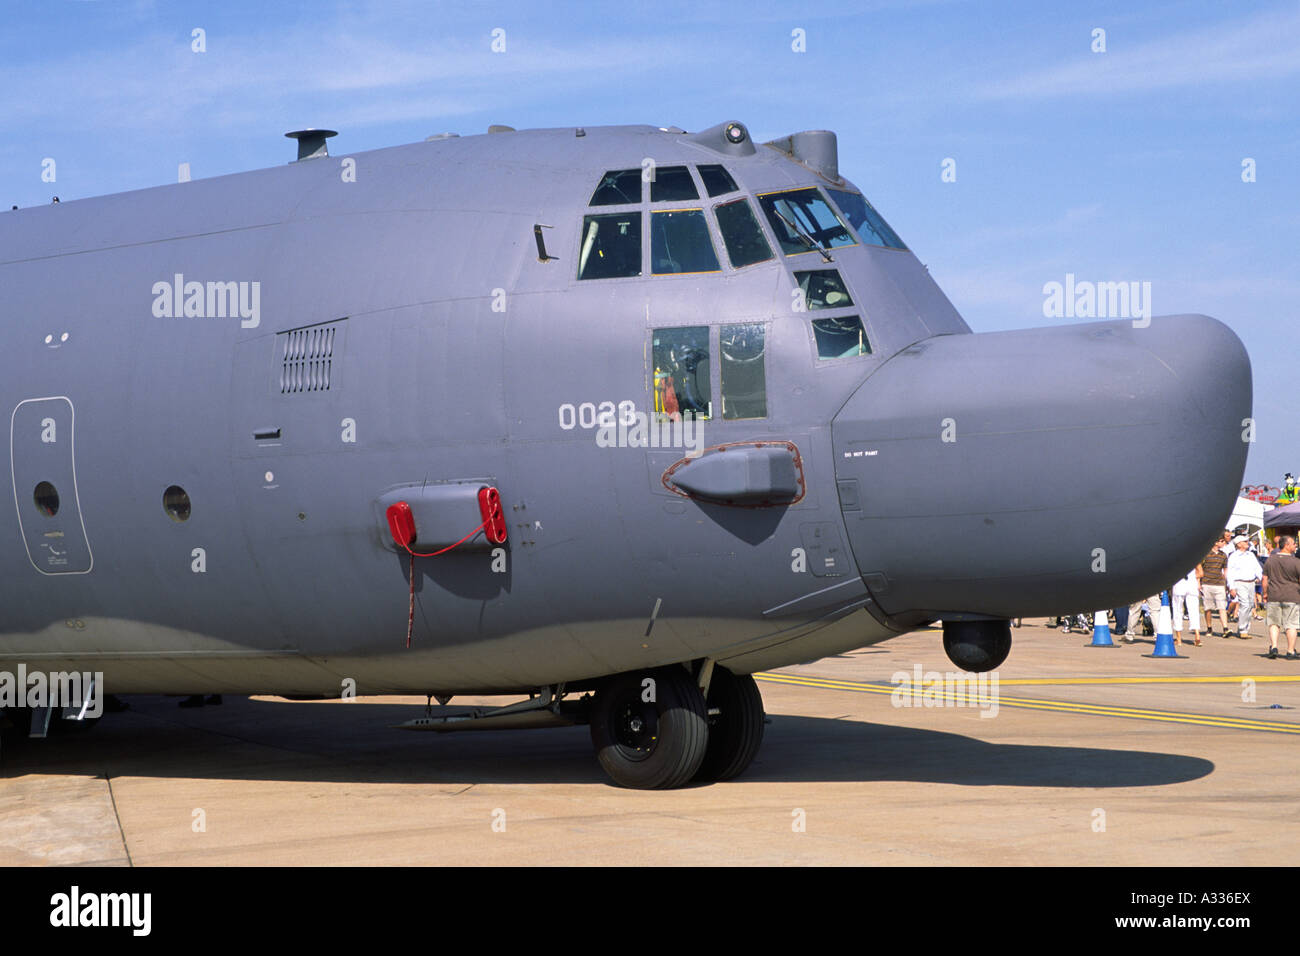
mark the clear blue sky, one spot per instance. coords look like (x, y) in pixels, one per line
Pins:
(1117, 166)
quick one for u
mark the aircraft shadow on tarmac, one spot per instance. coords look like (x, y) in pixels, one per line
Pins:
(340, 742)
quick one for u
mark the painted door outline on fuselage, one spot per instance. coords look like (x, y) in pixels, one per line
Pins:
(66, 549)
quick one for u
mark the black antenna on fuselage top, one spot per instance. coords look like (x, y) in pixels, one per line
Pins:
(311, 142)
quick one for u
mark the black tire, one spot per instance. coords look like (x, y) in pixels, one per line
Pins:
(650, 745)
(736, 731)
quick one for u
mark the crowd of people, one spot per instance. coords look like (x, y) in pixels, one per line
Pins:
(1239, 580)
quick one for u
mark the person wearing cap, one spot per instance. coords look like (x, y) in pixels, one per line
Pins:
(1260, 546)
(1282, 596)
(1243, 572)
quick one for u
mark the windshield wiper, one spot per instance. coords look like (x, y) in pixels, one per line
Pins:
(804, 236)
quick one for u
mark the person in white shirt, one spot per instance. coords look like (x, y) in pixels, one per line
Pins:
(1185, 593)
(1243, 572)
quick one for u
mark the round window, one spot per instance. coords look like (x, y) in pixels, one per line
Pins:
(176, 503)
(47, 499)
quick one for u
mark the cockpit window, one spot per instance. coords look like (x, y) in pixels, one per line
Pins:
(611, 246)
(840, 337)
(717, 180)
(672, 184)
(744, 240)
(744, 381)
(804, 221)
(682, 387)
(679, 242)
(863, 217)
(823, 289)
(617, 187)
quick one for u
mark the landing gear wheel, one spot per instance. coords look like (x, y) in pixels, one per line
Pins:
(654, 743)
(736, 731)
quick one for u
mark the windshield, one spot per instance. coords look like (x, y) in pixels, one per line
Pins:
(740, 232)
(863, 217)
(679, 242)
(804, 221)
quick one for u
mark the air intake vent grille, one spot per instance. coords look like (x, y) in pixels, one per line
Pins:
(307, 358)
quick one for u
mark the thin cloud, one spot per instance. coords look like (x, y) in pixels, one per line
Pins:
(1266, 47)
(1064, 224)
(158, 82)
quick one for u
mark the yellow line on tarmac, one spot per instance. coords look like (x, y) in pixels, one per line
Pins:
(1270, 679)
(975, 700)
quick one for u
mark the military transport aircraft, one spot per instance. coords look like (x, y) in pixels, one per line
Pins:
(608, 418)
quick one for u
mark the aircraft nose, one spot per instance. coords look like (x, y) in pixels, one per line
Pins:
(1041, 471)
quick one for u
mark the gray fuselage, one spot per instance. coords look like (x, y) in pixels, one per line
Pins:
(388, 325)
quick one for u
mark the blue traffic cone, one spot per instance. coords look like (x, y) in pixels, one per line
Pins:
(1165, 631)
(1101, 631)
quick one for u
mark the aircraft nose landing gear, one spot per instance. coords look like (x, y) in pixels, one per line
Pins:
(652, 730)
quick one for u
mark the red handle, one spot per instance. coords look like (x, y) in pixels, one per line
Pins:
(494, 519)
(401, 524)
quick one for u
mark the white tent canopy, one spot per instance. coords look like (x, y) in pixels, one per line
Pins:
(1249, 513)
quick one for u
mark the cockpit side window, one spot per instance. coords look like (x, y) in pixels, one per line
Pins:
(682, 388)
(840, 337)
(717, 180)
(679, 242)
(611, 246)
(672, 184)
(744, 240)
(744, 380)
(823, 289)
(804, 221)
(618, 187)
(863, 217)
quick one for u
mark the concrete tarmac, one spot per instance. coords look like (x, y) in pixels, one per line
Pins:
(1093, 756)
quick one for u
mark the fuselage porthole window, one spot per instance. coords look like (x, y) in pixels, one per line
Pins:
(47, 499)
(176, 503)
